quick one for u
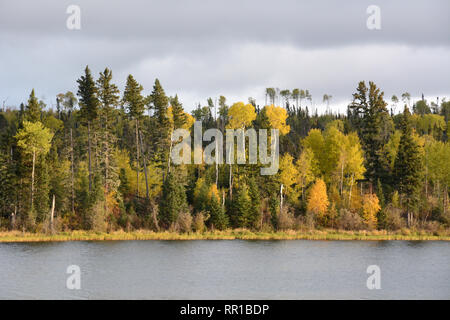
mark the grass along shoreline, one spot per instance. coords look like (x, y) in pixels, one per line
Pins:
(241, 234)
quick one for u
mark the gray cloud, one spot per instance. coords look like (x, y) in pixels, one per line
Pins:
(202, 48)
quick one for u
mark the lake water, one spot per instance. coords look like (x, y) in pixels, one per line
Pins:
(226, 269)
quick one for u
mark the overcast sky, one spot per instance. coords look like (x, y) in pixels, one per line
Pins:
(237, 48)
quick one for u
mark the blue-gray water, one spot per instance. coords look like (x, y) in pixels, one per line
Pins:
(226, 270)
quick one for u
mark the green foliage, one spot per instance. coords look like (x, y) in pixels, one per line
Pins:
(95, 168)
(408, 164)
(87, 91)
(173, 201)
(133, 99)
(371, 118)
(241, 208)
(218, 218)
(34, 138)
(33, 109)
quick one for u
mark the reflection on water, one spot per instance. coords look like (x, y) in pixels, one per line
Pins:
(226, 269)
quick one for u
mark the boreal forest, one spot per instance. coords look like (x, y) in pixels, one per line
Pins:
(99, 159)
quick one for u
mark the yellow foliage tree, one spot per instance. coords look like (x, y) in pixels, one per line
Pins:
(213, 191)
(277, 118)
(241, 115)
(306, 166)
(370, 208)
(318, 199)
(316, 143)
(288, 171)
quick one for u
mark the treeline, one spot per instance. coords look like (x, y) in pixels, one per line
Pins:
(100, 161)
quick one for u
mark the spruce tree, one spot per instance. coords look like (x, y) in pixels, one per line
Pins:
(242, 207)
(218, 218)
(173, 201)
(179, 117)
(408, 166)
(33, 109)
(135, 104)
(371, 118)
(108, 94)
(89, 103)
(6, 185)
(254, 217)
(162, 131)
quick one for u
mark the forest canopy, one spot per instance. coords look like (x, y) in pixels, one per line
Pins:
(101, 161)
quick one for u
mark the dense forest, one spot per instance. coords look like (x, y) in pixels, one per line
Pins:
(100, 160)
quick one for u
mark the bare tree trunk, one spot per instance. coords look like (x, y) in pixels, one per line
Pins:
(231, 182)
(32, 178)
(281, 198)
(72, 172)
(217, 165)
(106, 162)
(137, 157)
(13, 217)
(52, 213)
(89, 151)
(145, 167)
(350, 193)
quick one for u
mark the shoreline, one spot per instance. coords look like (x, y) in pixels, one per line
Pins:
(237, 234)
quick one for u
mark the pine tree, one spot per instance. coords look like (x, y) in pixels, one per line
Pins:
(408, 166)
(108, 94)
(371, 118)
(89, 103)
(6, 185)
(135, 103)
(241, 208)
(162, 132)
(254, 217)
(218, 218)
(173, 201)
(179, 117)
(33, 109)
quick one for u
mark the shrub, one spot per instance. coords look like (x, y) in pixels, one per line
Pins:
(185, 221)
(349, 220)
(97, 217)
(286, 219)
(199, 221)
(394, 220)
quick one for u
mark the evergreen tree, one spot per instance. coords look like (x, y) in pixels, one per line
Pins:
(108, 94)
(173, 201)
(241, 208)
(33, 109)
(179, 117)
(274, 208)
(162, 131)
(254, 217)
(135, 103)
(89, 103)
(371, 118)
(218, 218)
(408, 166)
(6, 186)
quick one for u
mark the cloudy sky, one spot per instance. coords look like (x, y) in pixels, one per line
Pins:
(237, 48)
